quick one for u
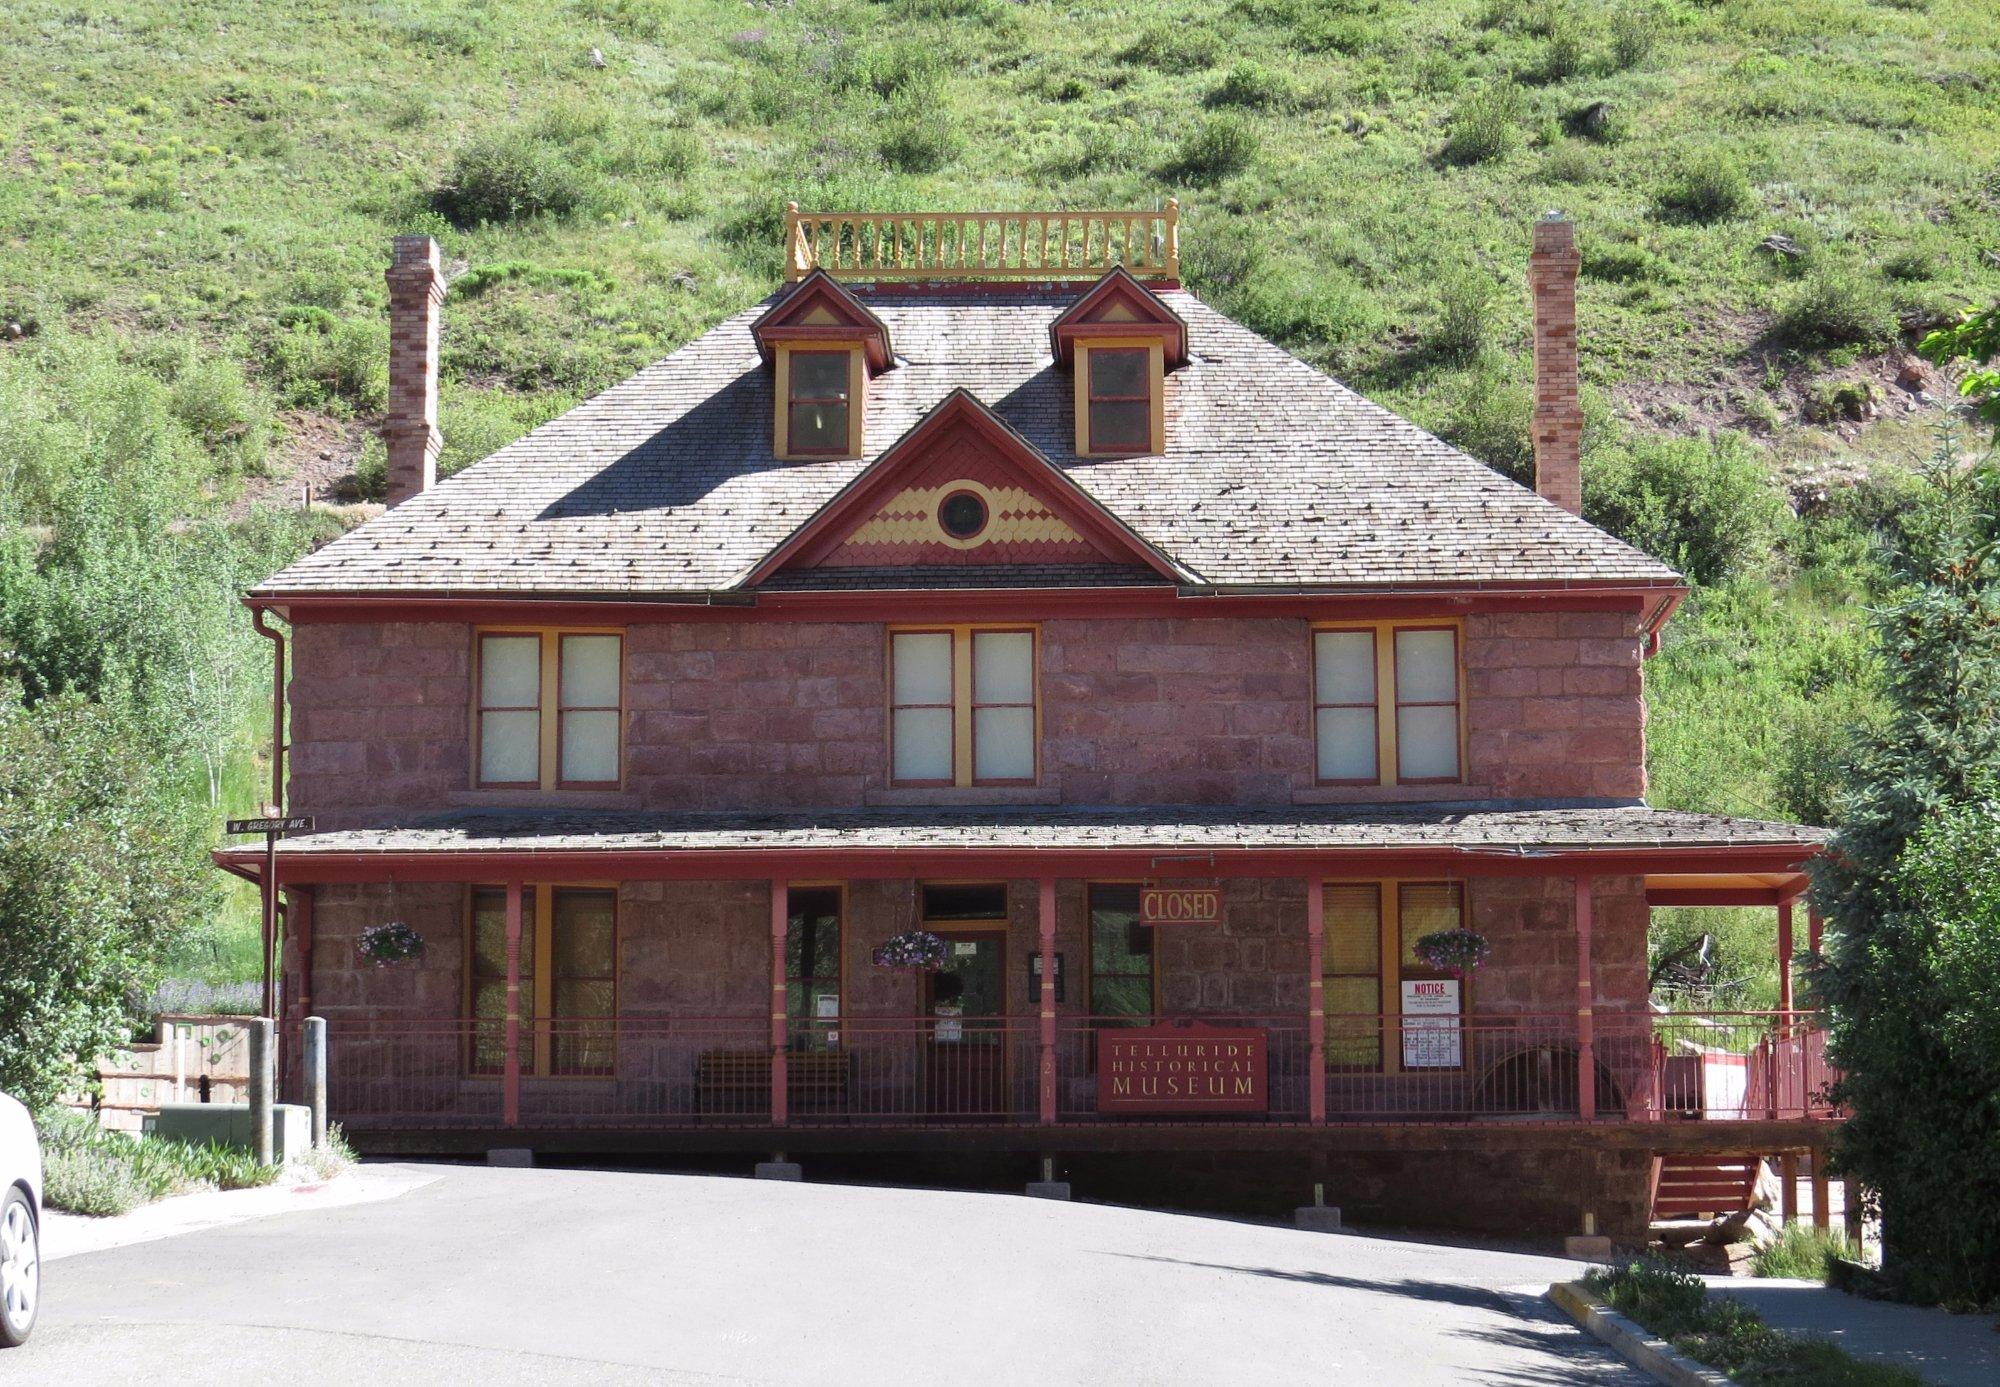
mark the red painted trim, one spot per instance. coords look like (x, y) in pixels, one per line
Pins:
(971, 288)
(1724, 895)
(1046, 1041)
(1586, 1048)
(780, 1075)
(776, 324)
(940, 604)
(1315, 1001)
(874, 863)
(825, 529)
(1120, 284)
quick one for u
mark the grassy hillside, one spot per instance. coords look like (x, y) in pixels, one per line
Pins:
(1770, 194)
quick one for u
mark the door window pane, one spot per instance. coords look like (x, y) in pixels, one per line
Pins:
(1353, 960)
(489, 980)
(812, 968)
(1121, 956)
(584, 965)
(1428, 908)
(965, 901)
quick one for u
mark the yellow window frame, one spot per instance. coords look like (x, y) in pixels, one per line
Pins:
(1389, 956)
(962, 749)
(1387, 752)
(538, 911)
(857, 400)
(1156, 375)
(548, 707)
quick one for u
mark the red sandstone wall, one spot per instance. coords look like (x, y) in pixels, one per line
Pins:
(781, 714)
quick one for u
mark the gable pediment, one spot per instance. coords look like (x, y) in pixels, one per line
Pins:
(819, 308)
(1119, 305)
(962, 489)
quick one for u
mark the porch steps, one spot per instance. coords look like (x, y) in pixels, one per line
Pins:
(1690, 1185)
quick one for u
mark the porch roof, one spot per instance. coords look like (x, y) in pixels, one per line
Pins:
(1475, 838)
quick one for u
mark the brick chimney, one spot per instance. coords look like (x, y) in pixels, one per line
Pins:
(416, 290)
(1558, 422)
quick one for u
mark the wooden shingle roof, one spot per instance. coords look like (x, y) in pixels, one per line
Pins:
(1275, 475)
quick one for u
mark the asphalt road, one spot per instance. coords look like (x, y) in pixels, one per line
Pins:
(563, 1276)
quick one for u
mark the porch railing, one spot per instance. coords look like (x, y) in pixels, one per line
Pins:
(650, 1072)
(982, 245)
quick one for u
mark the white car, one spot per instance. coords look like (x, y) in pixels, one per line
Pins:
(20, 1223)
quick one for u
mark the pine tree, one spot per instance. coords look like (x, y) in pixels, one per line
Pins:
(1922, 1135)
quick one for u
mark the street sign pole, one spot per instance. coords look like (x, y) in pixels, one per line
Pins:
(271, 825)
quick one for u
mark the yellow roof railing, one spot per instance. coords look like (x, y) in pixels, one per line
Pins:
(982, 245)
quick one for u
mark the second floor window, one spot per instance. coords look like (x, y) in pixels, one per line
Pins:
(550, 712)
(819, 389)
(1121, 399)
(962, 707)
(1387, 705)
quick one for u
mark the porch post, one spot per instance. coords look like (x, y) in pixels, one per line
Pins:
(1784, 956)
(510, 1092)
(780, 1076)
(1315, 1000)
(1047, 921)
(1586, 1045)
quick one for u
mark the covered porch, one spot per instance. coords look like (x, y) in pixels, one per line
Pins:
(722, 1024)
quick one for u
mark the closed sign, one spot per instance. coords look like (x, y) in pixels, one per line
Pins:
(1180, 905)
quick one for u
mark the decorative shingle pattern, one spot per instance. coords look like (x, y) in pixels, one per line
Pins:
(1274, 475)
(1485, 827)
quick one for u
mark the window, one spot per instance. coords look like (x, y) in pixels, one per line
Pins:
(812, 968)
(525, 744)
(962, 514)
(1368, 951)
(1353, 981)
(568, 979)
(962, 707)
(1121, 957)
(1386, 705)
(816, 403)
(1121, 399)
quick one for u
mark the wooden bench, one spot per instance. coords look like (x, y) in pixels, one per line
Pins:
(739, 1081)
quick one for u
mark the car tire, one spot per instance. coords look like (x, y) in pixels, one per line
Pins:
(20, 1269)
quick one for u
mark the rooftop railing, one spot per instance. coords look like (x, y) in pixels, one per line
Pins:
(982, 245)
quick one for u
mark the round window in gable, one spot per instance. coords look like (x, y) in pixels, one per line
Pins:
(962, 515)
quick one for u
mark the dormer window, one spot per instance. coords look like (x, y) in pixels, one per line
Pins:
(1119, 341)
(822, 344)
(820, 388)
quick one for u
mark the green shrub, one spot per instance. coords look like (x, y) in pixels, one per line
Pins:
(214, 398)
(1706, 505)
(1634, 32)
(1490, 414)
(1463, 328)
(921, 138)
(1711, 187)
(1622, 263)
(906, 69)
(1218, 147)
(1572, 162)
(1254, 86)
(1667, 1300)
(1486, 125)
(1176, 47)
(1838, 307)
(1568, 42)
(1437, 71)
(1914, 264)
(511, 174)
(348, 365)
(82, 1181)
(1828, 401)
(1804, 1253)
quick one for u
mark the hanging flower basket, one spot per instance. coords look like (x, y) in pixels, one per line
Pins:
(385, 946)
(915, 950)
(1453, 951)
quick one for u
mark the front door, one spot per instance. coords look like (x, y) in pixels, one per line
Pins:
(965, 1045)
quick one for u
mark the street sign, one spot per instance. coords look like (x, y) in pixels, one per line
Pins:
(301, 824)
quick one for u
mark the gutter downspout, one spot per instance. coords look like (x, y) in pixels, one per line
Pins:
(1651, 630)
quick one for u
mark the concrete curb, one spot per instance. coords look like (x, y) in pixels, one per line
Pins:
(1654, 1357)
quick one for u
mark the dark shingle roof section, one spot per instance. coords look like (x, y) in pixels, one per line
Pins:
(1485, 827)
(1275, 474)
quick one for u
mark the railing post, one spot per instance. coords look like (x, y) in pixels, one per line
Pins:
(1785, 957)
(780, 1070)
(262, 1073)
(1586, 1042)
(510, 1090)
(315, 1071)
(1047, 1042)
(1173, 247)
(1315, 1000)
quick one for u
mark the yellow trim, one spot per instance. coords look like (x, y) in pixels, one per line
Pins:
(857, 400)
(549, 701)
(1389, 924)
(1386, 768)
(962, 765)
(1157, 377)
(538, 913)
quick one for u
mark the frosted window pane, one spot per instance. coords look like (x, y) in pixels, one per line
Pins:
(1426, 666)
(510, 748)
(923, 744)
(510, 671)
(820, 375)
(590, 671)
(1115, 372)
(1347, 744)
(1003, 667)
(589, 746)
(1004, 740)
(923, 667)
(1344, 666)
(1429, 743)
(1353, 929)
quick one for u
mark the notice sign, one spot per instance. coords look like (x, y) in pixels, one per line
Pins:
(1180, 905)
(1182, 1069)
(1432, 1037)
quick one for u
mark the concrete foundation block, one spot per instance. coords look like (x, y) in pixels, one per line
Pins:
(1587, 1247)
(511, 1157)
(779, 1170)
(1048, 1189)
(1317, 1218)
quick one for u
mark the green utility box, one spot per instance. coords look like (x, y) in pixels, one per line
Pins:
(228, 1124)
